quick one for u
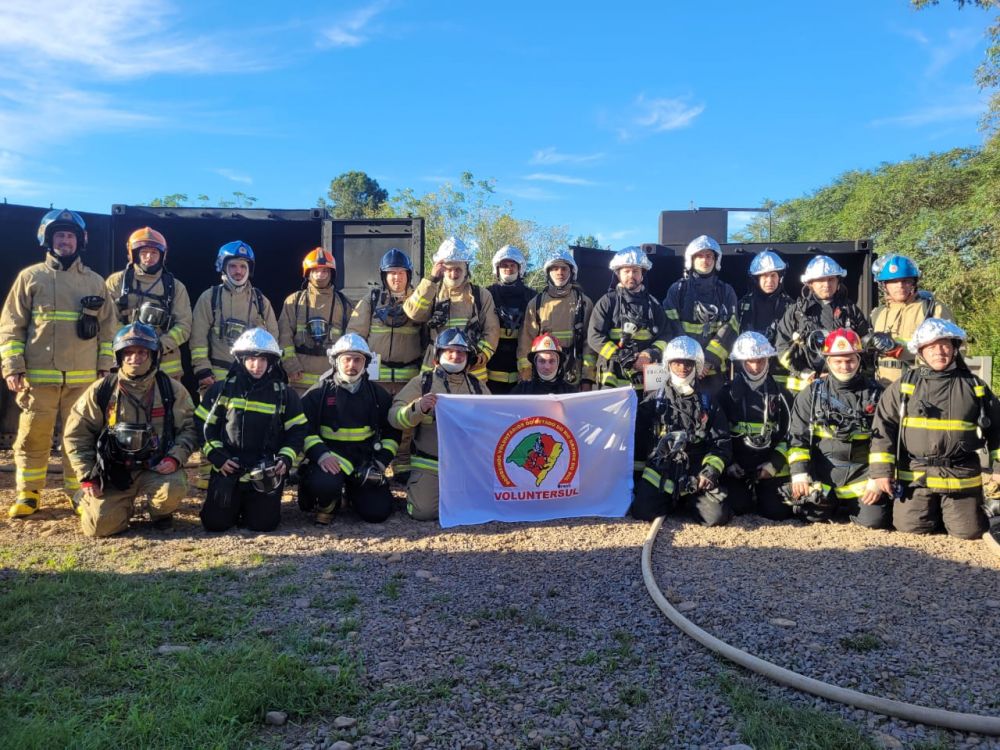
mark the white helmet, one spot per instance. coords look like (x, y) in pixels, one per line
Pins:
(255, 341)
(509, 252)
(821, 267)
(453, 250)
(934, 329)
(560, 256)
(349, 342)
(752, 345)
(630, 256)
(767, 261)
(699, 243)
(685, 347)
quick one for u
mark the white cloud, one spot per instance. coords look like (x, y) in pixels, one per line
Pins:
(561, 179)
(110, 38)
(944, 49)
(528, 192)
(232, 174)
(551, 155)
(618, 234)
(353, 29)
(935, 114)
(659, 115)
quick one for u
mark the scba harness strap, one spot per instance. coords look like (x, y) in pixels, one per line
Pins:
(165, 300)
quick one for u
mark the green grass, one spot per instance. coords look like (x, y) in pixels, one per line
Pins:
(79, 666)
(861, 643)
(768, 724)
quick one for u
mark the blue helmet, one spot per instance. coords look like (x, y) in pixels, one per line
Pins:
(136, 334)
(897, 267)
(395, 258)
(62, 219)
(234, 249)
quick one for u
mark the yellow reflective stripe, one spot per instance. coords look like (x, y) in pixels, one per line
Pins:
(30, 475)
(457, 322)
(70, 482)
(523, 363)
(422, 303)
(390, 445)
(881, 458)
(424, 464)
(907, 388)
(499, 376)
(201, 412)
(105, 349)
(954, 483)
(717, 349)
(589, 358)
(979, 390)
(995, 454)
(346, 434)
(853, 490)
(405, 330)
(486, 348)
(672, 314)
(715, 462)
(211, 445)
(795, 384)
(63, 315)
(345, 465)
(12, 348)
(928, 423)
(298, 419)
(747, 428)
(398, 373)
(653, 477)
(402, 417)
(910, 476)
(692, 327)
(289, 452)
(171, 367)
(258, 407)
(288, 352)
(608, 350)
(660, 345)
(220, 374)
(199, 352)
(798, 455)
(823, 432)
(312, 441)
(176, 334)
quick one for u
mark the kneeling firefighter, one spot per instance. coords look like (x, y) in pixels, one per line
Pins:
(829, 439)
(548, 364)
(758, 411)
(692, 449)
(129, 434)
(414, 407)
(350, 441)
(928, 428)
(254, 429)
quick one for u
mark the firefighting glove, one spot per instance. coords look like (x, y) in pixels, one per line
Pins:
(87, 326)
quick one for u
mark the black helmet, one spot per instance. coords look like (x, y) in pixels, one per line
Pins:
(136, 334)
(396, 258)
(62, 220)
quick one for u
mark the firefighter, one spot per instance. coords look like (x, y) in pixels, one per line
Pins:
(563, 310)
(628, 329)
(350, 441)
(684, 469)
(703, 306)
(510, 298)
(413, 407)
(830, 436)
(311, 320)
(449, 299)
(757, 409)
(225, 311)
(146, 292)
(931, 465)
(55, 339)
(822, 308)
(129, 434)
(762, 308)
(548, 361)
(394, 338)
(904, 308)
(254, 429)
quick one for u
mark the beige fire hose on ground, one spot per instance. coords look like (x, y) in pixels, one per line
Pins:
(910, 712)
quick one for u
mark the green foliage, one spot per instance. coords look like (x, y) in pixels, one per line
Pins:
(355, 195)
(180, 200)
(588, 240)
(80, 667)
(769, 724)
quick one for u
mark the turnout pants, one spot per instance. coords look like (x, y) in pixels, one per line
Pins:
(708, 507)
(761, 496)
(322, 491)
(40, 404)
(110, 513)
(924, 511)
(229, 502)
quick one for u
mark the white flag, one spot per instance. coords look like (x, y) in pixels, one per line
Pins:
(535, 458)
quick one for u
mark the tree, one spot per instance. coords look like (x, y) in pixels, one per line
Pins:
(588, 240)
(179, 200)
(355, 195)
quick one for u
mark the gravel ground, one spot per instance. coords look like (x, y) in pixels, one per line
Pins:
(507, 635)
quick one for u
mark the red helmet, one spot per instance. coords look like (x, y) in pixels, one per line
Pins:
(842, 341)
(545, 342)
(318, 258)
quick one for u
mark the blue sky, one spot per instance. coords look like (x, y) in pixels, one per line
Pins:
(595, 116)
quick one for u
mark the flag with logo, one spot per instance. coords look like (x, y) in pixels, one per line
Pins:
(534, 458)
